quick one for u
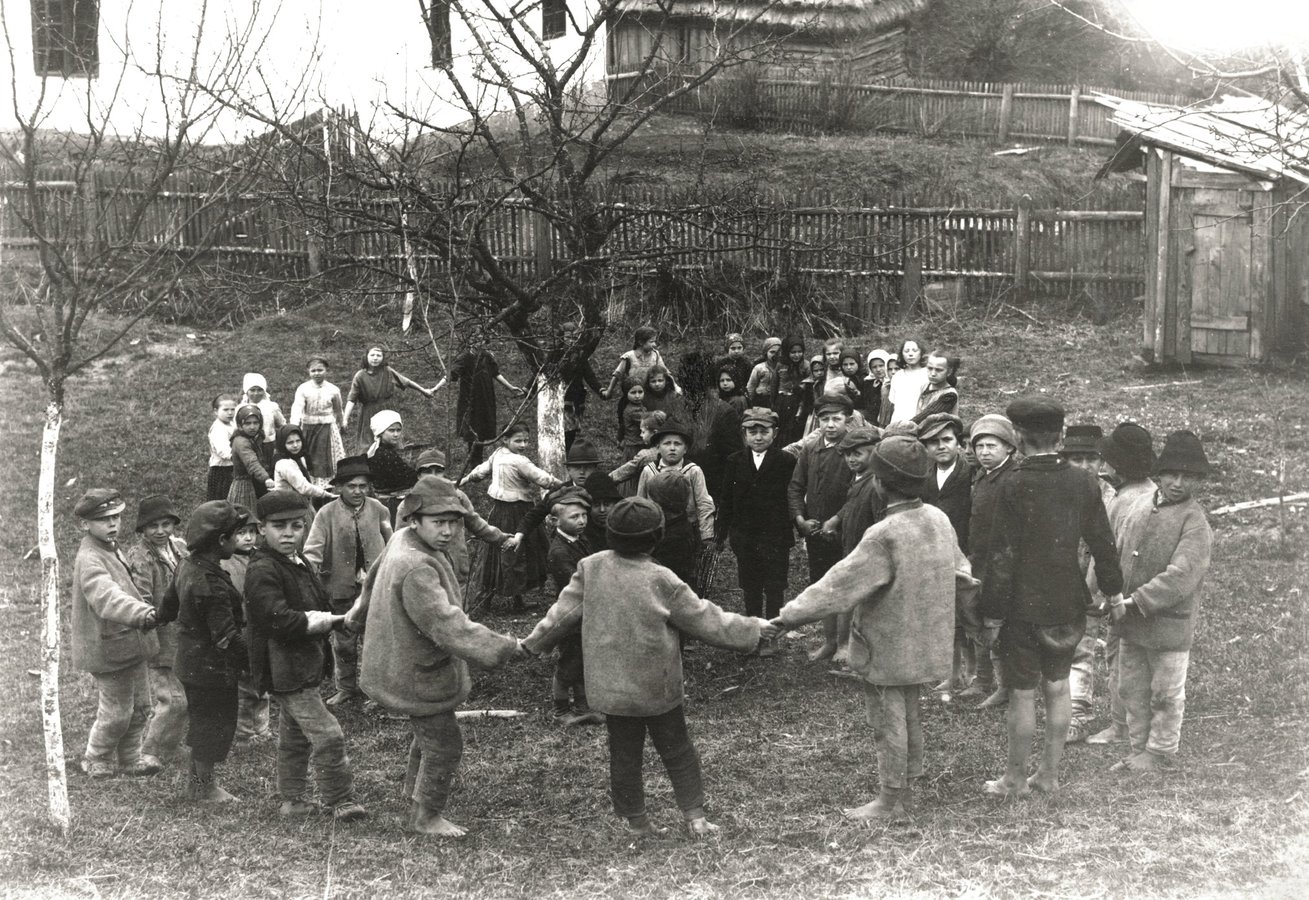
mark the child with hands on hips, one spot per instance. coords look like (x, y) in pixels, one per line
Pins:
(631, 613)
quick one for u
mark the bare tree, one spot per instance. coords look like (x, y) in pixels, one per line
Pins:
(96, 228)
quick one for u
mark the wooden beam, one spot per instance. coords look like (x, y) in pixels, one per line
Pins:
(1073, 99)
(1006, 112)
(1164, 307)
(1221, 323)
(1263, 290)
(1022, 246)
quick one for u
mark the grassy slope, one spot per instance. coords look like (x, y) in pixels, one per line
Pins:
(784, 745)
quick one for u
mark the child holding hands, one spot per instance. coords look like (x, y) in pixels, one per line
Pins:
(220, 447)
(631, 613)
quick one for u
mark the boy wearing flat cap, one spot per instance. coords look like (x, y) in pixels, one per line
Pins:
(604, 494)
(346, 538)
(211, 647)
(950, 489)
(902, 582)
(152, 561)
(113, 639)
(632, 612)
(816, 493)
(1126, 461)
(1165, 543)
(418, 643)
(568, 546)
(754, 514)
(432, 462)
(290, 617)
(1035, 589)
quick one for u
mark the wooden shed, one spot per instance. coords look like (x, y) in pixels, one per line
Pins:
(1226, 226)
(862, 39)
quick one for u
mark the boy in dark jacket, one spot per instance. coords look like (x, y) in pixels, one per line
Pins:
(604, 494)
(1166, 542)
(950, 489)
(290, 617)
(816, 493)
(754, 514)
(568, 546)
(1034, 587)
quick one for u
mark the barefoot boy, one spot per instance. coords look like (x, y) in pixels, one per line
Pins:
(816, 493)
(631, 612)
(1165, 542)
(1034, 587)
(901, 581)
(417, 644)
(112, 639)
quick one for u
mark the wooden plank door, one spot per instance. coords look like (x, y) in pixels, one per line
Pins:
(1221, 288)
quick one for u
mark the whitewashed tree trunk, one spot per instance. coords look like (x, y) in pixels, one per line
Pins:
(550, 425)
(56, 775)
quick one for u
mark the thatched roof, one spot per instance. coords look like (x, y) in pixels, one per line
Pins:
(1242, 133)
(814, 16)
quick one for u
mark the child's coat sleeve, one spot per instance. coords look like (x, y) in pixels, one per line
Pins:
(107, 598)
(318, 546)
(477, 526)
(250, 459)
(429, 608)
(704, 504)
(1184, 573)
(139, 568)
(854, 580)
(298, 404)
(707, 621)
(220, 441)
(564, 617)
(1099, 537)
(267, 603)
(795, 489)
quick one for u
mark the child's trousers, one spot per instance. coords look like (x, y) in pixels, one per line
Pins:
(761, 566)
(434, 756)
(1153, 688)
(673, 744)
(345, 651)
(1111, 645)
(211, 712)
(1081, 677)
(163, 734)
(308, 732)
(893, 713)
(120, 719)
(251, 710)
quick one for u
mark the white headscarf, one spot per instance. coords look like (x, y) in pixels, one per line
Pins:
(381, 421)
(252, 379)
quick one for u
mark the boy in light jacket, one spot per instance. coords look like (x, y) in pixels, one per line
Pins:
(1165, 545)
(113, 640)
(631, 612)
(902, 581)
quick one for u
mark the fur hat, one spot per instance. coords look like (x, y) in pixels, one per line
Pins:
(1183, 452)
(902, 464)
(1129, 448)
(863, 436)
(431, 496)
(430, 457)
(1036, 413)
(348, 467)
(1084, 438)
(209, 520)
(934, 424)
(99, 503)
(634, 525)
(277, 506)
(582, 453)
(156, 507)
(996, 426)
(601, 488)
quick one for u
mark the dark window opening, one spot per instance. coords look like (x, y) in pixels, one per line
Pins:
(65, 38)
(554, 18)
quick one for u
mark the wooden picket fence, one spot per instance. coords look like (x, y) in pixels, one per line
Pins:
(928, 107)
(859, 255)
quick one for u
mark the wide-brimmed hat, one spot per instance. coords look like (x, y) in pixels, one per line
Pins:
(934, 424)
(156, 507)
(1183, 452)
(1084, 438)
(1036, 413)
(99, 503)
(351, 467)
(431, 496)
(582, 453)
(209, 520)
(996, 426)
(1129, 448)
(671, 426)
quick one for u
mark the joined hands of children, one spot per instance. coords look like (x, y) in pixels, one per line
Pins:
(1118, 605)
(322, 622)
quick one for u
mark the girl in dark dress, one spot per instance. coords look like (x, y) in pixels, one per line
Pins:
(391, 475)
(371, 391)
(477, 373)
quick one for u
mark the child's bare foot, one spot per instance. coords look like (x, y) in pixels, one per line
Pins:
(1043, 782)
(645, 829)
(827, 651)
(883, 809)
(701, 827)
(998, 700)
(842, 656)
(436, 825)
(1006, 789)
(1141, 763)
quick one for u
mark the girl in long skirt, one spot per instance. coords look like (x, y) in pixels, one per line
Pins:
(318, 410)
(515, 487)
(250, 480)
(371, 391)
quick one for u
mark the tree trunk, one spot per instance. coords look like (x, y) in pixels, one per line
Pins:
(550, 425)
(56, 776)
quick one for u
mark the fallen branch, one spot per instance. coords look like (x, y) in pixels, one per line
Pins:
(1301, 497)
(1024, 313)
(1146, 387)
(488, 714)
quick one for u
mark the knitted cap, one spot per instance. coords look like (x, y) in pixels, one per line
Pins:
(996, 426)
(1183, 452)
(1129, 448)
(156, 507)
(209, 520)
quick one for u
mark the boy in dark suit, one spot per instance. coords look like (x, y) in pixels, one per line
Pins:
(950, 489)
(754, 514)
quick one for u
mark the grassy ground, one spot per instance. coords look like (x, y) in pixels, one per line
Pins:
(784, 745)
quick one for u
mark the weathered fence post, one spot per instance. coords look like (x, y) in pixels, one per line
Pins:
(1006, 111)
(1073, 100)
(1022, 247)
(541, 239)
(912, 286)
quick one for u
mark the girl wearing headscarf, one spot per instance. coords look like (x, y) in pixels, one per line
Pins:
(391, 475)
(761, 388)
(250, 479)
(254, 390)
(291, 469)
